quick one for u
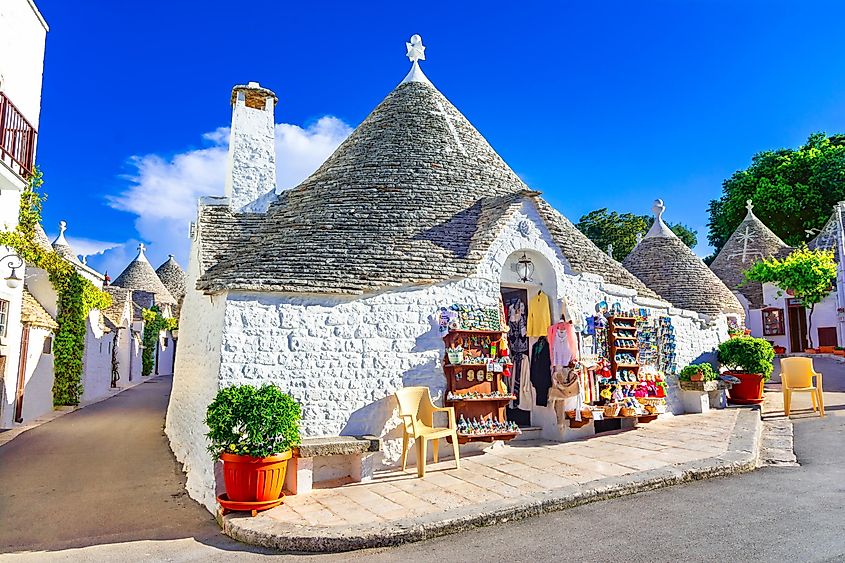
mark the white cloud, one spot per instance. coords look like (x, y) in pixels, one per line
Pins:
(163, 192)
(90, 247)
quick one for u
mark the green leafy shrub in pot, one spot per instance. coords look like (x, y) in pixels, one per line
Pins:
(706, 370)
(252, 421)
(748, 355)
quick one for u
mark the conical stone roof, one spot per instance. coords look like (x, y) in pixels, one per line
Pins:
(751, 241)
(139, 275)
(62, 246)
(414, 195)
(172, 276)
(667, 265)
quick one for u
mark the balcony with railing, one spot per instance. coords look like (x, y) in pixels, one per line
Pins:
(17, 139)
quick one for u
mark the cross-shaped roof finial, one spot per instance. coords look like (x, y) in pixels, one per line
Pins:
(416, 50)
(141, 248)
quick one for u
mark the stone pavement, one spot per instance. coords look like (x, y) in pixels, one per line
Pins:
(505, 483)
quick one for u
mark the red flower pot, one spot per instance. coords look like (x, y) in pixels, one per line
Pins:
(254, 479)
(749, 391)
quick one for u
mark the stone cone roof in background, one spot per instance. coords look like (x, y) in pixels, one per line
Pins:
(41, 238)
(830, 234)
(414, 195)
(172, 276)
(665, 264)
(750, 242)
(33, 314)
(63, 248)
(119, 297)
(139, 275)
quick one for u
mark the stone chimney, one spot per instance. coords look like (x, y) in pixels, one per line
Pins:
(251, 166)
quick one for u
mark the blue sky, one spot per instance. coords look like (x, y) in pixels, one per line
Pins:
(595, 104)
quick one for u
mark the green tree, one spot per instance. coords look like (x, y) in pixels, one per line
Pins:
(808, 274)
(794, 191)
(605, 227)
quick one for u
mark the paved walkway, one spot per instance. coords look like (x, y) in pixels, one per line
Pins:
(100, 474)
(514, 481)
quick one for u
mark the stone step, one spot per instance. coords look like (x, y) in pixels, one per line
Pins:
(529, 433)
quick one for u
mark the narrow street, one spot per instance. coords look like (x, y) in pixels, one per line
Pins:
(113, 486)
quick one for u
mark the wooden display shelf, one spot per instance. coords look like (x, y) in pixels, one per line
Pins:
(475, 366)
(483, 400)
(466, 438)
(463, 331)
(627, 348)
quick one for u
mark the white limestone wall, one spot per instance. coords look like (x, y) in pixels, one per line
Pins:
(195, 383)
(825, 316)
(251, 165)
(96, 363)
(38, 389)
(164, 365)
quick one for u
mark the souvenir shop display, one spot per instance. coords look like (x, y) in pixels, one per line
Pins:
(624, 348)
(474, 381)
(465, 317)
(666, 345)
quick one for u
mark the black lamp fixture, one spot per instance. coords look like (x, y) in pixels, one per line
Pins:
(525, 268)
(13, 281)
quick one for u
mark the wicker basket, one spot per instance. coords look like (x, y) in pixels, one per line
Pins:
(628, 412)
(611, 409)
(586, 413)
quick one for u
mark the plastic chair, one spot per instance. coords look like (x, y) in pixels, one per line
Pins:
(797, 374)
(417, 412)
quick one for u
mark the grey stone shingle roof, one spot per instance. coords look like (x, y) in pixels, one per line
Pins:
(750, 242)
(413, 196)
(139, 275)
(119, 298)
(33, 314)
(172, 276)
(828, 237)
(666, 265)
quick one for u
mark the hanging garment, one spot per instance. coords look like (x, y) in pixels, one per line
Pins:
(526, 390)
(565, 393)
(541, 370)
(539, 316)
(564, 343)
(517, 327)
(521, 372)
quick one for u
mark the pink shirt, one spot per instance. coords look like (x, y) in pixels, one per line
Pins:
(563, 343)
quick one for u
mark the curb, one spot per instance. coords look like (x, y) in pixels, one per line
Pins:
(741, 457)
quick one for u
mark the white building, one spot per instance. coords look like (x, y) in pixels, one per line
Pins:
(772, 313)
(332, 290)
(147, 290)
(23, 32)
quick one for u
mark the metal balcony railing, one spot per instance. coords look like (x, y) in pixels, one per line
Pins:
(17, 138)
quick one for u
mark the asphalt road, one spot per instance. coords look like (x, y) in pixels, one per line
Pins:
(773, 514)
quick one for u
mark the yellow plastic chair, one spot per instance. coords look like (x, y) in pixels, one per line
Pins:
(797, 374)
(417, 412)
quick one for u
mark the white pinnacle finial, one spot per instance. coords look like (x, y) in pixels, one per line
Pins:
(141, 249)
(416, 50)
(61, 240)
(750, 207)
(659, 228)
(415, 53)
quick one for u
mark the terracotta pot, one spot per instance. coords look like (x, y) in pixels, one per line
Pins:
(254, 479)
(839, 352)
(809, 350)
(826, 349)
(779, 350)
(749, 391)
(698, 376)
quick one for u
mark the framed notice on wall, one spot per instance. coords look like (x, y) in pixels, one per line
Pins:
(773, 322)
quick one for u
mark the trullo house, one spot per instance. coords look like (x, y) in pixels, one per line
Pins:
(333, 290)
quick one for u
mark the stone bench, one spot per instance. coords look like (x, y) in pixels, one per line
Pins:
(699, 396)
(331, 458)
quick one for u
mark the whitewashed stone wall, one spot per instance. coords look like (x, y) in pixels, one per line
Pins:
(38, 389)
(96, 363)
(195, 383)
(166, 349)
(343, 358)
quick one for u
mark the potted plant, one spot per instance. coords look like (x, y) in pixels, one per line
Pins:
(839, 351)
(749, 360)
(779, 350)
(698, 372)
(252, 430)
(826, 349)
(809, 350)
